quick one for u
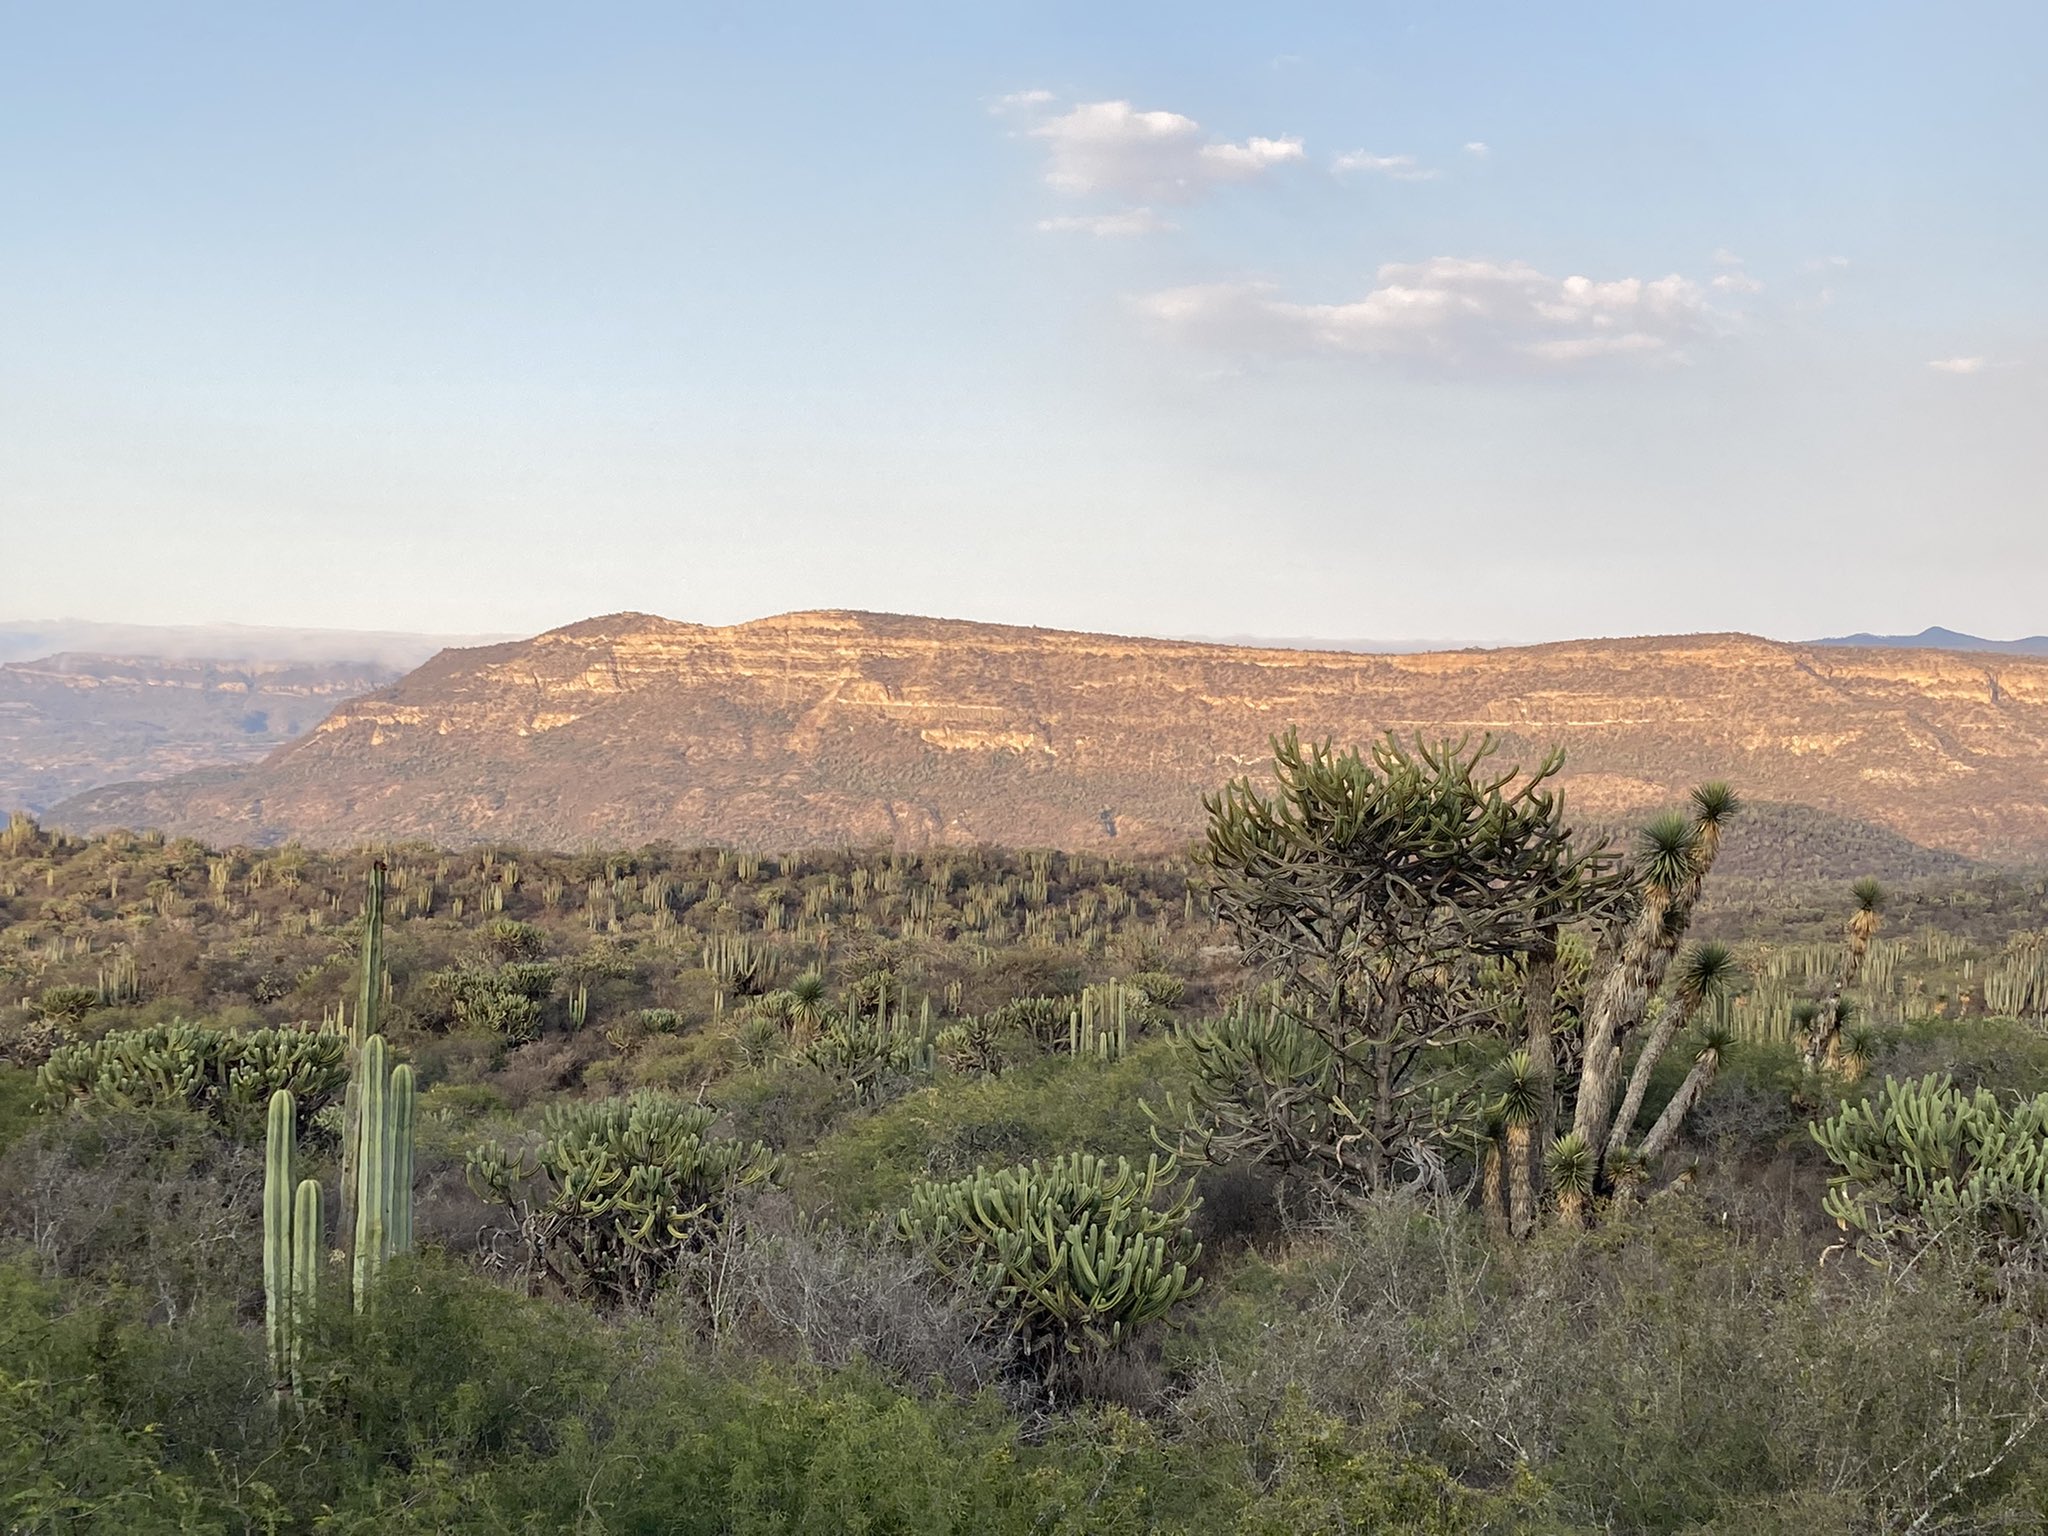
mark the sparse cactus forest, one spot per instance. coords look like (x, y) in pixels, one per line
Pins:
(1407, 1155)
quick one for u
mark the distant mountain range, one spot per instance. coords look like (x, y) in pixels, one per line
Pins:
(33, 639)
(1939, 639)
(70, 721)
(835, 727)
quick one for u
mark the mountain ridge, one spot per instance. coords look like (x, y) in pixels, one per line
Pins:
(839, 725)
(1936, 638)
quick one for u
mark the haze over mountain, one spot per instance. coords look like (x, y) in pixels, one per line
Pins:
(1936, 638)
(396, 650)
(830, 727)
(74, 720)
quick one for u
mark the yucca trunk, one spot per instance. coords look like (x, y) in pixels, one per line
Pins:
(1492, 1197)
(1571, 1209)
(1522, 1174)
(1666, 1029)
(1539, 1023)
(1665, 1131)
(1617, 1006)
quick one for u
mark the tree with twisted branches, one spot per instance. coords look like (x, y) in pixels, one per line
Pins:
(1369, 886)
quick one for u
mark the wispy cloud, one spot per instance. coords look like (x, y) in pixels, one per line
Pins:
(1960, 364)
(1020, 101)
(1110, 147)
(1396, 167)
(1131, 221)
(1478, 147)
(1453, 314)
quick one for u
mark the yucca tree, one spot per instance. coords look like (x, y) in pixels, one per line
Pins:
(1824, 1041)
(1626, 1170)
(1520, 1108)
(1715, 1039)
(1705, 974)
(1571, 1166)
(1859, 1046)
(1663, 872)
(807, 1007)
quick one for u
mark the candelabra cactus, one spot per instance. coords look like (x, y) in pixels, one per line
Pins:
(1922, 1161)
(618, 1191)
(1072, 1253)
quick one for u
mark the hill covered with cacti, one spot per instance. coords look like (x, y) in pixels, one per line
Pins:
(819, 728)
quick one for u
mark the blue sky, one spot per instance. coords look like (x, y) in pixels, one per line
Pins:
(1486, 322)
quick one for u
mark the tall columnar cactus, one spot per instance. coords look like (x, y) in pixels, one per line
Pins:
(308, 1255)
(292, 1252)
(373, 1170)
(398, 1187)
(279, 1148)
(369, 996)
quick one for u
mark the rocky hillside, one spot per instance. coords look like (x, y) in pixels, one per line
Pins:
(831, 727)
(71, 721)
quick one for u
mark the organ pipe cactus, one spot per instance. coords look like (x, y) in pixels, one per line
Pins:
(384, 1168)
(369, 995)
(292, 1252)
(279, 1148)
(308, 1254)
(1072, 1253)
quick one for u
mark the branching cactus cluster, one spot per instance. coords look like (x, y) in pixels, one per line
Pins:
(1921, 1161)
(618, 1192)
(1074, 1254)
(194, 1066)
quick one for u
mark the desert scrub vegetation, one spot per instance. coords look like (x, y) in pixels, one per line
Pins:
(1407, 1158)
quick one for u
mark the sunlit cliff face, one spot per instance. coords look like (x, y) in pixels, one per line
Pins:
(832, 727)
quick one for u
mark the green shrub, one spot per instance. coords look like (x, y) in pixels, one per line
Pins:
(1038, 1110)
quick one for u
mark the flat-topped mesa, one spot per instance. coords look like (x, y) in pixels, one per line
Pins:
(836, 725)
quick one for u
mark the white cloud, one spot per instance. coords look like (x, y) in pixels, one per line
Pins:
(1020, 101)
(1960, 364)
(1111, 147)
(1737, 282)
(1478, 147)
(1132, 221)
(1453, 314)
(1726, 258)
(1398, 167)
